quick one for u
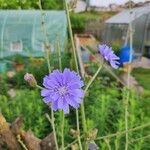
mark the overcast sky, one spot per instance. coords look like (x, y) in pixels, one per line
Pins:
(107, 2)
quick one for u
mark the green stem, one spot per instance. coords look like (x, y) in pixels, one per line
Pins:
(39, 87)
(71, 36)
(62, 130)
(124, 132)
(78, 129)
(77, 69)
(47, 45)
(53, 127)
(59, 57)
(61, 112)
(126, 119)
(128, 78)
(82, 105)
(107, 143)
(47, 48)
(113, 135)
(93, 78)
(51, 121)
(141, 138)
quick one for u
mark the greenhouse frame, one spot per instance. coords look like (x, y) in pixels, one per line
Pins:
(21, 32)
(117, 29)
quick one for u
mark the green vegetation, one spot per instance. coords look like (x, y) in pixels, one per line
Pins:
(104, 107)
(143, 77)
(28, 104)
(30, 4)
(79, 20)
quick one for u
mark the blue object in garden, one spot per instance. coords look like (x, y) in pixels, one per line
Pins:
(85, 56)
(125, 55)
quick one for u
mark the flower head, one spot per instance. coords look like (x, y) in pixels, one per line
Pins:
(63, 89)
(109, 55)
(30, 79)
(92, 146)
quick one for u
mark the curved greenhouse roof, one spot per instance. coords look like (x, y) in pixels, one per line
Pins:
(124, 16)
(21, 31)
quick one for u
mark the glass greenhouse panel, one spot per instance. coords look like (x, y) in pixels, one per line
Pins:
(21, 31)
(116, 33)
(139, 32)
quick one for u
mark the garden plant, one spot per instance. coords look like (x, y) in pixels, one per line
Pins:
(83, 112)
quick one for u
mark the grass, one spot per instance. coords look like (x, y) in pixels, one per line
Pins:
(79, 20)
(142, 76)
(95, 15)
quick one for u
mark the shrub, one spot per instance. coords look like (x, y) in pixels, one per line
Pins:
(28, 104)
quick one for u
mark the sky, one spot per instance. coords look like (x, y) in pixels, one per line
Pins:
(107, 2)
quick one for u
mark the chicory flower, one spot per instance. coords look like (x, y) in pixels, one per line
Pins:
(108, 54)
(63, 89)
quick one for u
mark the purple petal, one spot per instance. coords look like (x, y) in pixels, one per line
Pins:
(49, 84)
(57, 75)
(75, 98)
(55, 105)
(45, 92)
(60, 103)
(71, 102)
(47, 99)
(66, 108)
(77, 92)
(55, 96)
(114, 64)
(66, 76)
(109, 55)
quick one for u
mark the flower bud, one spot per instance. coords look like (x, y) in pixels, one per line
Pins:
(30, 79)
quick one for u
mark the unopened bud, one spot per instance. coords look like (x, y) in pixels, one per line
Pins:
(92, 146)
(30, 79)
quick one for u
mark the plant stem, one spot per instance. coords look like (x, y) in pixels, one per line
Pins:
(71, 36)
(59, 57)
(126, 120)
(135, 140)
(107, 143)
(47, 48)
(93, 78)
(77, 69)
(75, 141)
(53, 127)
(78, 129)
(51, 120)
(47, 45)
(82, 106)
(61, 112)
(21, 142)
(62, 129)
(123, 132)
(39, 87)
(114, 134)
(128, 79)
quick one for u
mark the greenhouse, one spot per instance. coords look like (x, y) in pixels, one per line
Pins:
(117, 29)
(21, 31)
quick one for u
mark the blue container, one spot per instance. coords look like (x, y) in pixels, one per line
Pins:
(85, 56)
(125, 55)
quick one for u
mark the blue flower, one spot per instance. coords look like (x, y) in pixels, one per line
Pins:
(63, 89)
(108, 55)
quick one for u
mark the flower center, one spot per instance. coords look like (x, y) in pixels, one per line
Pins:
(62, 90)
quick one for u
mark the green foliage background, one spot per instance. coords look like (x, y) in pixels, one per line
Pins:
(31, 4)
(104, 105)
